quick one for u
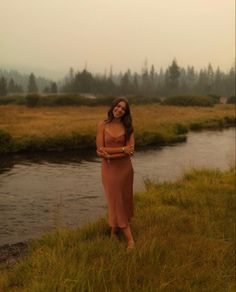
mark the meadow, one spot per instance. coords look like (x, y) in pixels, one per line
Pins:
(185, 240)
(62, 128)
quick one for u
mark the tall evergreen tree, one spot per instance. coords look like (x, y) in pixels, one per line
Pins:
(152, 73)
(53, 87)
(13, 87)
(219, 76)
(125, 83)
(135, 83)
(210, 75)
(32, 86)
(191, 77)
(3, 86)
(172, 75)
(71, 74)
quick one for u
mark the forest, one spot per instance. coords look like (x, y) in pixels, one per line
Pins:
(151, 82)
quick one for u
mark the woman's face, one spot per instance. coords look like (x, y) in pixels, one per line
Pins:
(119, 109)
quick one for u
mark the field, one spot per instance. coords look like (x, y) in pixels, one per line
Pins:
(185, 240)
(71, 127)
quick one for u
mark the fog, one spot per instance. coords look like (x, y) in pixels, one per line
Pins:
(53, 35)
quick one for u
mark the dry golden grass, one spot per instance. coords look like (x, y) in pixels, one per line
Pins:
(21, 121)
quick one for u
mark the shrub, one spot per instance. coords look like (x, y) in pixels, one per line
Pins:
(232, 99)
(187, 100)
(32, 100)
(180, 129)
(139, 99)
(215, 97)
(230, 121)
(12, 100)
(6, 141)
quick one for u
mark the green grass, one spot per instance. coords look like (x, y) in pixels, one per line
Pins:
(184, 233)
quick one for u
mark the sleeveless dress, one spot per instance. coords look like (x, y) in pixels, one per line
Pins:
(117, 179)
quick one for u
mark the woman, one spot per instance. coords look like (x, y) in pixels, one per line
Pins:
(115, 144)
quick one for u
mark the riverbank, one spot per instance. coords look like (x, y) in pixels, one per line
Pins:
(184, 234)
(10, 254)
(25, 129)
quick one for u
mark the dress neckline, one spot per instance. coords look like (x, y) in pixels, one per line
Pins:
(113, 135)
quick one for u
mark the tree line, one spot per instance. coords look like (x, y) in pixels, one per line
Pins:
(149, 82)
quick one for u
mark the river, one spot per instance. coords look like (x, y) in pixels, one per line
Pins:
(39, 192)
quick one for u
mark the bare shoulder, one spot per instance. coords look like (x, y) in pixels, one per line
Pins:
(101, 124)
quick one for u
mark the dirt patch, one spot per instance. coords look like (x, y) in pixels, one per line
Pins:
(10, 254)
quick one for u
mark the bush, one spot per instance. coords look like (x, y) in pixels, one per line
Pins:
(215, 97)
(232, 99)
(32, 100)
(6, 141)
(72, 100)
(187, 100)
(180, 129)
(12, 100)
(139, 99)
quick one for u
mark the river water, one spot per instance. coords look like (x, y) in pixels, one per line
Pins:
(39, 192)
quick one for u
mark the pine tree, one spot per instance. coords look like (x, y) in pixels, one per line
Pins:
(125, 83)
(11, 86)
(3, 86)
(152, 73)
(210, 74)
(14, 87)
(46, 89)
(172, 75)
(53, 87)
(135, 83)
(218, 81)
(71, 74)
(203, 84)
(32, 86)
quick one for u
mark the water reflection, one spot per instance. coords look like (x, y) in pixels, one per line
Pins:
(38, 192)
(9, 160)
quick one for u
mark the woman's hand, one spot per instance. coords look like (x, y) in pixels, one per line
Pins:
(102, 153)
(129, 149)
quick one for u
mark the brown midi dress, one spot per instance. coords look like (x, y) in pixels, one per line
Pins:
(117, 179)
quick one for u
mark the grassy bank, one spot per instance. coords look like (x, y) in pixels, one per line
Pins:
(32, 129)
(184, 232)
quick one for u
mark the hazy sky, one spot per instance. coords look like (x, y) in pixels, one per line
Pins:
(58, 34)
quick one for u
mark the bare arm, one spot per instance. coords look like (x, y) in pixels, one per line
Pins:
(128, 149)
(112, 152)
(112, 156)
(131, 143)
(101, 152)
(100, 140)
(125, 151)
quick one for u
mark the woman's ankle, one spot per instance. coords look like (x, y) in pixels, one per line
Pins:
(131, 245)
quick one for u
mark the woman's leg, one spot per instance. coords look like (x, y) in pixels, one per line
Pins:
(128, 234)
(114, 232)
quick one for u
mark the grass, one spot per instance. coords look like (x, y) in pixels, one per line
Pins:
(75, 127)
(185, 239)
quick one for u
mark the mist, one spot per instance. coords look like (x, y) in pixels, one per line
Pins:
(49, 37)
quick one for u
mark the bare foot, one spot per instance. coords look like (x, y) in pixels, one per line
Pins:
(130, 245)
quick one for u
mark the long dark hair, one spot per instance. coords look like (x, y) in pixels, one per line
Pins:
(126, 119)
